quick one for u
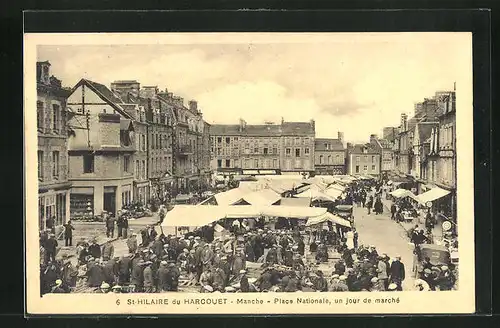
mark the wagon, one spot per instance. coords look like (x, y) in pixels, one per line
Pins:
(439, 255)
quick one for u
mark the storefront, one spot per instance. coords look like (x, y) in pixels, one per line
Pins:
(82, 202)
(53, 204)
(141, 192)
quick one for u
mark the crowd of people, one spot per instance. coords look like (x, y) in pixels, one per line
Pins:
(249, 256)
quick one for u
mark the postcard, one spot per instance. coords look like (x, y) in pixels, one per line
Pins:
(276, 173)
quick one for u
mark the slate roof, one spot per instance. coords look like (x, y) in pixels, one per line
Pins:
(110, 95)
(297, 128)
(334, 144)
(358, 149)
(225, 130)
(425, 129)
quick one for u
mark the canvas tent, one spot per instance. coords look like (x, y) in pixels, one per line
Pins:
(401, 193)
(314, 194)
(432, 195)
(328, 217)
(298, 202)
(197, 216)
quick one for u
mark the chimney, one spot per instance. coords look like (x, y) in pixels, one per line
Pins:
(243, 125)
(404, 121)
(124, 86)
(313, 124)
(43, 72)
(373, 137)
(149, 91)
(340, 136)
(282, 120)
(193, 105)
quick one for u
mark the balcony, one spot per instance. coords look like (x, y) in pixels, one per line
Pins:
(185, 150)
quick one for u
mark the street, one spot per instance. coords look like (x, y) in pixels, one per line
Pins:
(387, 236)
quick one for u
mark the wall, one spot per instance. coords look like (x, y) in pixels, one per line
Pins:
(387, 160)
(336, 157)
(289, 161)
(371, 161)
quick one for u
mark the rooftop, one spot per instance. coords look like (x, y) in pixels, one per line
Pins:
(358, 149)
(320, 144)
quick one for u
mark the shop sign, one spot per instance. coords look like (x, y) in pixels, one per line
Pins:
(446, 225)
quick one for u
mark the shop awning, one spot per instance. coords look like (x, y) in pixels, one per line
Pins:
(334, 193)
(328, 217)
(230, 197)
(315, 195)
(262, 197)
(432, 195)
(200, 215)
(400, 193)
(298, 202)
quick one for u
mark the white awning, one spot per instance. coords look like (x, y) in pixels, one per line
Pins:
(315, 195)
(297, 202)
(432, 195)
(200, 215)
(400, 193)
(328, 217)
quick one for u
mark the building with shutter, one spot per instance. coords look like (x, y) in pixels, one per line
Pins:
(329, 156)
(53, 183)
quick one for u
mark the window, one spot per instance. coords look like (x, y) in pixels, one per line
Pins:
(265, 151)
(55, 118)
(288, 152)
(373, 167)
(228, 140)
(55, 164)
(357, 168)
(329, 159)
(40, 165)
(366, 158)
(321, 159)
(357, 159)
(326, 146)
(219, 151)
(228, 163)
(365, 168)
(256, 150)
(88, 163)
(297, 152)
(247, 150)
(137, 169)
(219, 163)
(373, 159)
(297, 141)
(39, 115)
(126, 163)
(306, 151)
(144, 170)
(219, 139)
(275, 150)
(235, 139)
(143, 143)
(275, 163)
(256, 163)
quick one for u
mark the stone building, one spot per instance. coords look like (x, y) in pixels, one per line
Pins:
(329, 156)
(263, 148)
(363, 160)
(101, 148)
(385, 148)
(53, 184)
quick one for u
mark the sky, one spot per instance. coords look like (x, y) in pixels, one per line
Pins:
(355, 83)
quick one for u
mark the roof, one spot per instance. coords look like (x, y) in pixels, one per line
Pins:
(126, 124)
(358, 149)
(412, 122)
(425, 129)
(385, 143)
(224, 129)
(110, 95)
(106, 94)
(297, 128)
(334, 144)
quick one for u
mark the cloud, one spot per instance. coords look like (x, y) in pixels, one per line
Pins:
(357, 84)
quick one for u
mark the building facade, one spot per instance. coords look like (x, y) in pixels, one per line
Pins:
(100, 148)
(53, 183)
(329, 156)
(363, 159)
(287, 147)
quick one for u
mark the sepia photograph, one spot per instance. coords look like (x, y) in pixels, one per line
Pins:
(282, 168)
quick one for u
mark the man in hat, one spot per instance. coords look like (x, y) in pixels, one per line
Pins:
(50, 248)
(397, 272)
(104, 288)
(339, 267)
(322, 253)
(57, 289)
(244, 284)
(272, 255)
(137, 276)
(392, 287)
(110, 224)
(446, 279)
(95, 274)
(207, 256)
(342, 284)
(148, 277)
(173, 275)
(108, 250)
(157, 247)
(382, 272)
(124, 268)
(68, 233)
(111, 271)
(320, 283)
(117, 289)
(373, 256)
(152, 234)
(145, 236)
(132, 243)
(95, 249)
(163, 278)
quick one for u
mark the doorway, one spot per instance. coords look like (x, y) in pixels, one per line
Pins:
(110, 200)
